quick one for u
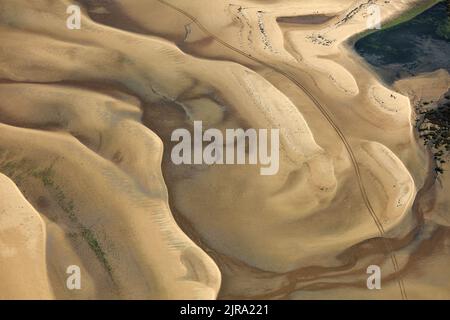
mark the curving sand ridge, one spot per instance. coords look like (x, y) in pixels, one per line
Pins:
(22, 247)
(85, 123)
(124, 247)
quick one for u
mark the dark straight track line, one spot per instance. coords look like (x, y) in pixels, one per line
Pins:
(330, 120)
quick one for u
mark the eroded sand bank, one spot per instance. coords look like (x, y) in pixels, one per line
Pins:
(86, 117)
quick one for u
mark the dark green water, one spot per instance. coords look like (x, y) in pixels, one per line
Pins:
(413, 47)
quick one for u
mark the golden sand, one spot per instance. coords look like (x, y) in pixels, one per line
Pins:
(85, 123)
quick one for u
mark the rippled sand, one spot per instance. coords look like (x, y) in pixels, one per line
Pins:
(86, 176)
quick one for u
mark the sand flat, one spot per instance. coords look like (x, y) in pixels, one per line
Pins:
(85, 121)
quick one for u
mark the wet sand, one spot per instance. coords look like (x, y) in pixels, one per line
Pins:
(86, 118)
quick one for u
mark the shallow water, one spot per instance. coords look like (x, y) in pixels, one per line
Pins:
(308, 19)
(410, 48)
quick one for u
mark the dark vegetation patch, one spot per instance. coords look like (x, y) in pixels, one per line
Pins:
(433, 124)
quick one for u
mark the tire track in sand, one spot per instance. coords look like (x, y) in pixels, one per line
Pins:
(329, 119)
